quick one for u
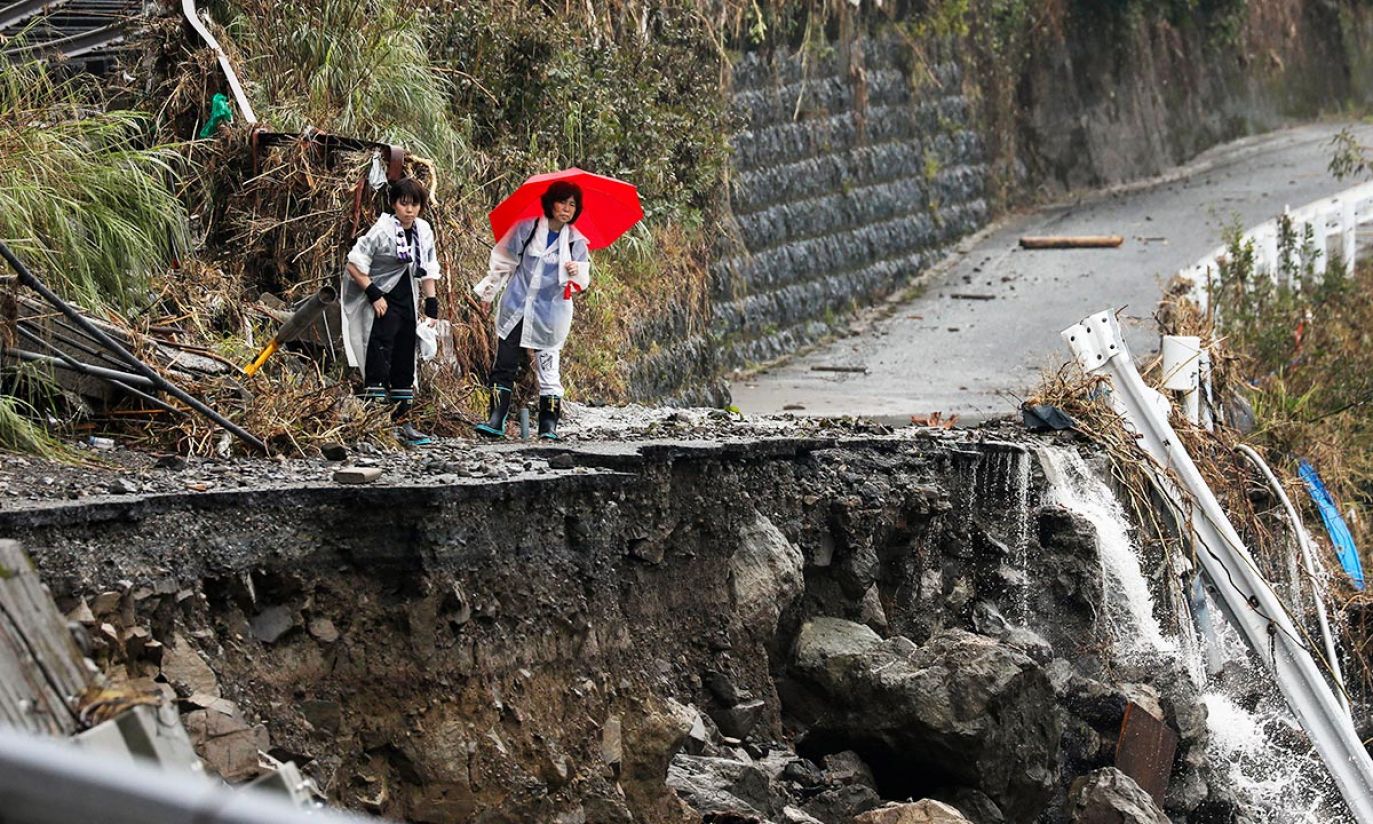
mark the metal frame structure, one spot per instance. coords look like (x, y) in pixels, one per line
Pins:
(1308, 562)
(1248, 600)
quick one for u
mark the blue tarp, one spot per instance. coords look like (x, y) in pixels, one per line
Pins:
(1334, 524)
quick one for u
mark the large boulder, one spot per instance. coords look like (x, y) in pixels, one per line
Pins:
(961, 710)
(925, 811)
(721, 785)
(1109, 796)
(765, 576)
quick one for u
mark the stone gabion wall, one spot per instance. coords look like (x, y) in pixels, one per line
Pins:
(852, 173)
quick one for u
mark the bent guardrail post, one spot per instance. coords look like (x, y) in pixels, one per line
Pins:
(52, 782)
(1251, 604)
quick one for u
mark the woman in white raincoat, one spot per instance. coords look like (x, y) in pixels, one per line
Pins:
(380, 302)
(534, 270)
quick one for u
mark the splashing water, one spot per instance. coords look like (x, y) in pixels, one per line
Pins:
(1278, 784)
(1278, 778)
(1129, 604)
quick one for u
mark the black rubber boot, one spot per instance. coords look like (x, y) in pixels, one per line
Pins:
(550, 409)
(500, 410)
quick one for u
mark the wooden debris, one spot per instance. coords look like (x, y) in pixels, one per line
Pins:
(1071, 241)
(971, 296)
(41, 669)
(856, 369)
(935, 420)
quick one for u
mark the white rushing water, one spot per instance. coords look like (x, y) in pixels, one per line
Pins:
(1129, 604)
(1278, 779)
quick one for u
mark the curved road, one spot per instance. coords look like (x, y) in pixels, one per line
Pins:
(977, 357)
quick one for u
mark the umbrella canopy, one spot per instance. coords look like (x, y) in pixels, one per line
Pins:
(609, 206)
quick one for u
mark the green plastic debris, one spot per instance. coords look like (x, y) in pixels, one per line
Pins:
(219, 113)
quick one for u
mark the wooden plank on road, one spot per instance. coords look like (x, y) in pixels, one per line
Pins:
(1072, 242)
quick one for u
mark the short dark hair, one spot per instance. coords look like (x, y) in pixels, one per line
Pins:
(559, 191)
(407, 188)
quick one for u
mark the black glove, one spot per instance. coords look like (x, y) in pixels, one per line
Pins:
(374, 292)
(431, 308)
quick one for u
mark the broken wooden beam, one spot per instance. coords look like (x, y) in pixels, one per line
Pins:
(1071, 241)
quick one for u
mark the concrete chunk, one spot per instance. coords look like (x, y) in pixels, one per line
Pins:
(357, 474)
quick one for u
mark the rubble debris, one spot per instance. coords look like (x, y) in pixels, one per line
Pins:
(272, 623)
(925, 811)
(357, 474)
(186, 671)
(1109, 796)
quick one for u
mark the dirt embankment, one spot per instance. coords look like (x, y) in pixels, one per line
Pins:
(656, 633)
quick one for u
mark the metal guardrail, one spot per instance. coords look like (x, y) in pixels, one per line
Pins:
(1332, 217)
(1250, 603)
(43, 781)
(14, 14)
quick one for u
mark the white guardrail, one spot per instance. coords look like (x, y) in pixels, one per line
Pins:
(1332, 219)
(1248, 600)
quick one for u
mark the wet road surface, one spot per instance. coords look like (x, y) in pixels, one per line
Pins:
(984, 327)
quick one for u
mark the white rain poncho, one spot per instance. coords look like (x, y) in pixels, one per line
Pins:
(376, 255)
(536, 284)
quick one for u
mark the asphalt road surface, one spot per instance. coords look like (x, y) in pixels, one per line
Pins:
(977, 357)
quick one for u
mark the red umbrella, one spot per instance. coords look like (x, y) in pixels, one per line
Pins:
(609, 206)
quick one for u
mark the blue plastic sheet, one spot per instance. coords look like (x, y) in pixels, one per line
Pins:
(1334, 524)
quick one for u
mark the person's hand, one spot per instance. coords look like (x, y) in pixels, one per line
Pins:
(379, 305)
(571, 267)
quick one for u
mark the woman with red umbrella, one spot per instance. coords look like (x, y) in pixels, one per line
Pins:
(539, 262)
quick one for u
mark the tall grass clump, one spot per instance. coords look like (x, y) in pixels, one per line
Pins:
(352, 67)
(83, 199)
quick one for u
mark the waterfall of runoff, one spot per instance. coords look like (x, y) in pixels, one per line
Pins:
(1252, 735)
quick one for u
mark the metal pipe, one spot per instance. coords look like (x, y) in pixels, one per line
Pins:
(78, 345)
(83, 368)
(30, 280)
(295, 325)
(1309, 561)
(49, 782)
(88, 369)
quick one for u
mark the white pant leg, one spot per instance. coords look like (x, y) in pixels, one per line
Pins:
(547, 366)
